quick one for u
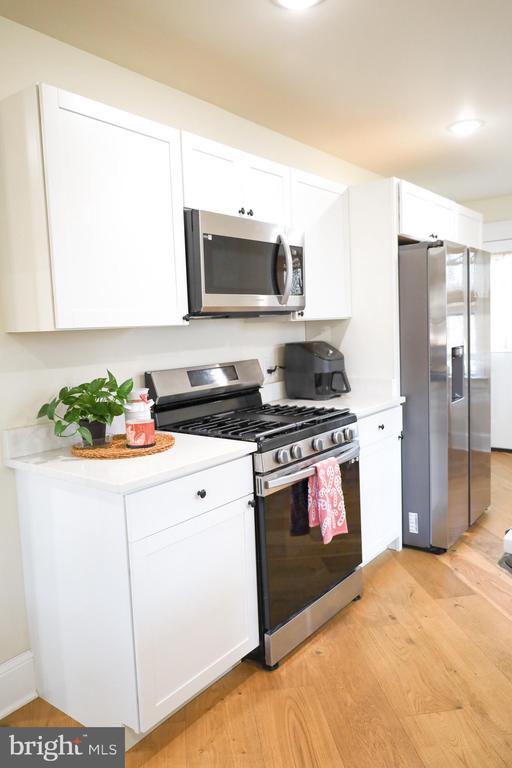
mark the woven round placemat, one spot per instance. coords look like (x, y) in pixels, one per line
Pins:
(117, 448)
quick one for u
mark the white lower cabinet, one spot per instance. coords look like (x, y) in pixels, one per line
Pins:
(381, 482)
(138, 601)
(194, 606)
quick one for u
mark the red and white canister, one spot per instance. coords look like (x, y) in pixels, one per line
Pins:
(140, 427)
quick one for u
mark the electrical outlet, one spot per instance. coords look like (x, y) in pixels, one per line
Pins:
(413, 522)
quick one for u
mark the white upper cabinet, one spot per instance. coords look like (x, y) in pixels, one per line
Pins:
(266, 189)
(469, 227)
(113, 214)
(211, 175)
(225, 180)
(320, 209)
(425, 215)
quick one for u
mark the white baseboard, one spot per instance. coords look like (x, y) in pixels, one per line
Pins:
(17, 683)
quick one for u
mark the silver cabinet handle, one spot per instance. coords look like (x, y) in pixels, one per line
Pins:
(289, 269)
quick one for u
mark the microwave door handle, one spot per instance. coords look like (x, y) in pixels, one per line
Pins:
(289, 269)
(292, 477)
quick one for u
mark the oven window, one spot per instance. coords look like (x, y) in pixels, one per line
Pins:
(296, 566)
(236, 266)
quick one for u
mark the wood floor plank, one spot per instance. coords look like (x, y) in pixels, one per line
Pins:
(433, 574)
(415, 679)
(486, 578)
(294, 731)
(484, 625)
(450, 740)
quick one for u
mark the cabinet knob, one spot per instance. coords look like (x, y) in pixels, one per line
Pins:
(251, 503)
(250, 212)
(381, 426)
(241, 211)
(201, 493)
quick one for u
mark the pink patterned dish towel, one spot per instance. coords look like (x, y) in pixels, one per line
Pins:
(326, 505)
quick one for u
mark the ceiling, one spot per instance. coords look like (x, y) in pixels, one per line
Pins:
(375, 82)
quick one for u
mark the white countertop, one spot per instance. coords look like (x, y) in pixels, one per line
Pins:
(190, 453)
(360, 403)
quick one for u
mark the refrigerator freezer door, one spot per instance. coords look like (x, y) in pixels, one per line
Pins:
(479, 383)
(448, 399)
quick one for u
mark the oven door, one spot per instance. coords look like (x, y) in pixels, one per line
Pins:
(237, 266)
(296, 567)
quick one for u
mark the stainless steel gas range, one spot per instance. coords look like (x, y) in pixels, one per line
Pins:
(302, 581)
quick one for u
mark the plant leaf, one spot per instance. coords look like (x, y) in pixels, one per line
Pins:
(112, 382)
(125, 388)
(85, 434)
(60, 427)
(63, 393)
(43, 410)
(50, 412)
(95, 386)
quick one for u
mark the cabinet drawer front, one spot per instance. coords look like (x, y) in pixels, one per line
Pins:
(163, 506)
(379, 426)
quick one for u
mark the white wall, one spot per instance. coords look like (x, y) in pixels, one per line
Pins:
(498, 239)
(34, 366)
(493, 208)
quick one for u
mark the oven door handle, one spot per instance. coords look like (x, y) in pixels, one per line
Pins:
(289, 269)
(292, 477)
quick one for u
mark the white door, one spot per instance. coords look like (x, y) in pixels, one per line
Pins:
(425, 215)
(266, 190)
(380, 467)
(469, 227)
(115, 215)
(194, 604)
(320, 210)
(211, 175)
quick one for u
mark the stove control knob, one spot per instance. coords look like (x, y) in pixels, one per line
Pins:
(296, 452)
(349, 434)
(283, 456)
(318, 444)
(338, 437)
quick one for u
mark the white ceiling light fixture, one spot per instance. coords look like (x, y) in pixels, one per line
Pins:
(296, 5)
(463, 128)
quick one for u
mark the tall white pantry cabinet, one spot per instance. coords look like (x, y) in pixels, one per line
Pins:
(92, 206)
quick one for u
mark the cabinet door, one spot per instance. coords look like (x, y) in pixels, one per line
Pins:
(266, 190)
(211, 175)
(425, 215)
(469, 227)
(320, 210)
(380, 467)
(115, 215)
(194, 604)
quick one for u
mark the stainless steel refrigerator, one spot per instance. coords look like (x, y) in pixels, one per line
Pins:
(445, 376)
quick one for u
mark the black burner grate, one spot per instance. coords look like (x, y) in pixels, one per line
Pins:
(258, 422)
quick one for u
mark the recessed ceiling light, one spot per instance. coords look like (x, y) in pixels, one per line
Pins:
(465, 127)
(297, 5)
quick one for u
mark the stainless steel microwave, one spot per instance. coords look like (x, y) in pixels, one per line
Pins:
(241, 267)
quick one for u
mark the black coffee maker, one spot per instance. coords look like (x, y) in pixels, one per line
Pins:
(314, 370)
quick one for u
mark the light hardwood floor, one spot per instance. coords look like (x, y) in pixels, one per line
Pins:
(418, 674)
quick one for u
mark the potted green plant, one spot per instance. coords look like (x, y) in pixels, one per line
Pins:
(89, 407)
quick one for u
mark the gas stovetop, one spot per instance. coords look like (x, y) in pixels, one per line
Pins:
(260, 422)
